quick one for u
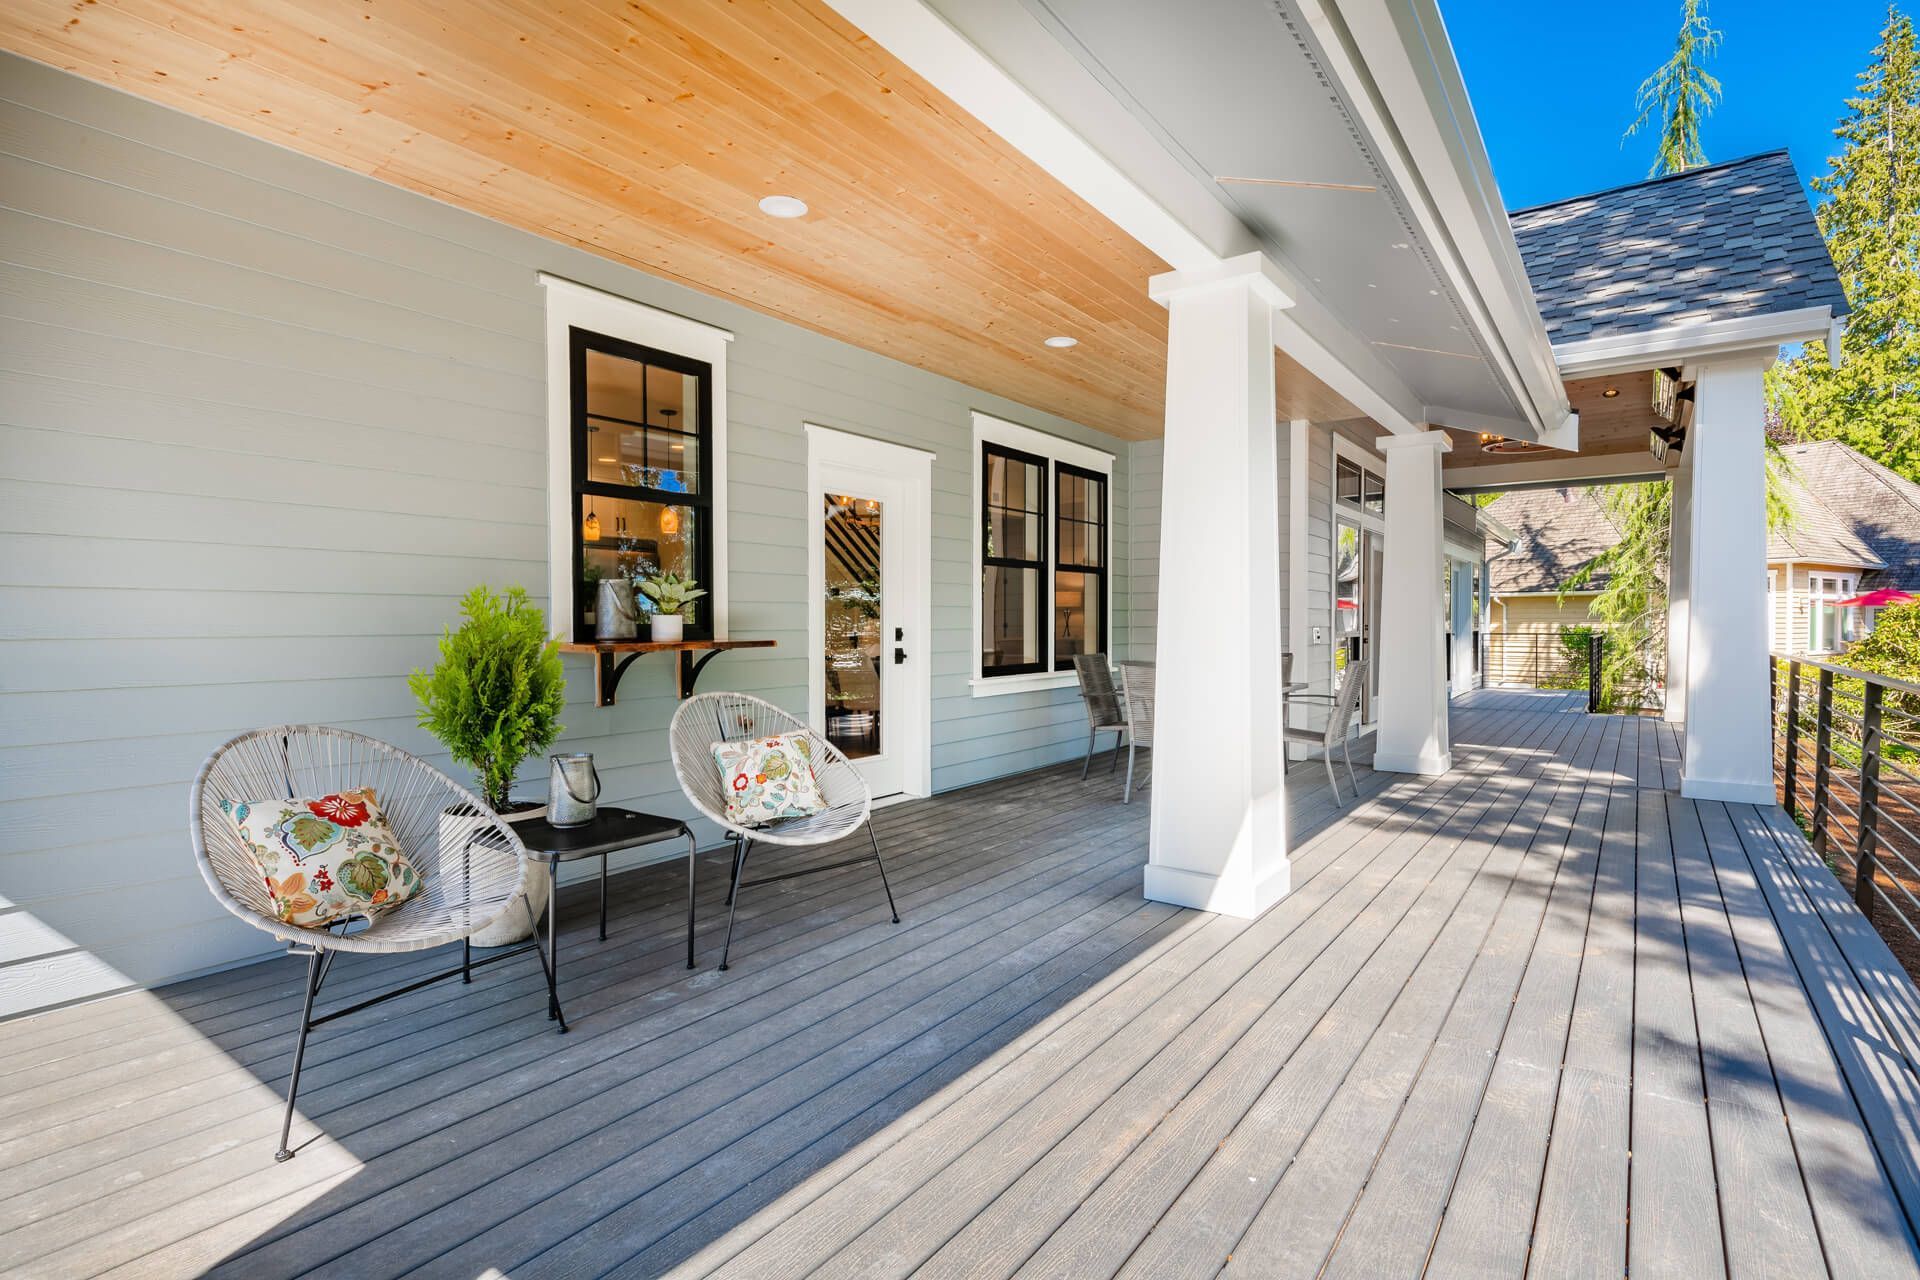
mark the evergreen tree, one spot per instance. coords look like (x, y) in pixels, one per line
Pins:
(1871, 220)
(1680, 94)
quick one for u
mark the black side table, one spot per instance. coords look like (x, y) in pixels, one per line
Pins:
(610, 831)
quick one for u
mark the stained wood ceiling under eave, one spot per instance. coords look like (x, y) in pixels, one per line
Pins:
(649, 133)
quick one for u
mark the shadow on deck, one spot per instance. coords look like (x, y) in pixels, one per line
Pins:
(1038, 1070)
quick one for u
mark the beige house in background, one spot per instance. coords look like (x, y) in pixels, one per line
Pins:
(1855, 529)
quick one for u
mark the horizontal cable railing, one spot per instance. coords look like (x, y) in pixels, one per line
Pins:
(1847, 768)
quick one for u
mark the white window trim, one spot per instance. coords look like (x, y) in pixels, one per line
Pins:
(988, 429)
(578, 306)
(1848, 586)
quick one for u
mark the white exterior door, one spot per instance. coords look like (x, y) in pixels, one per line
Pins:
(870, 555)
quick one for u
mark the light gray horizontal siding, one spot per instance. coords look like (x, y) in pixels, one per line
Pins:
(263, 422)
(1143, 541)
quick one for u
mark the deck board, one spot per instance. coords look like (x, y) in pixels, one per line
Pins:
(1540, 1013)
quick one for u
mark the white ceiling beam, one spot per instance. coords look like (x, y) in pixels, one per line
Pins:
(1310, 331)
(1541, 473)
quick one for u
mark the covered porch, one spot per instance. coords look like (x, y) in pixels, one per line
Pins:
(1484, 991)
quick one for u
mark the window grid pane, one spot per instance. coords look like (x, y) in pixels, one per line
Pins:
(1013, 588)
(1080, 578)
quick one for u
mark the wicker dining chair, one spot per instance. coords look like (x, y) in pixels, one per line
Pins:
(1101, 699)
(708, 719)
(1136, 700)
(470, 862)
(1343, 704)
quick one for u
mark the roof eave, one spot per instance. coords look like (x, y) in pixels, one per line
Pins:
(1692, 342)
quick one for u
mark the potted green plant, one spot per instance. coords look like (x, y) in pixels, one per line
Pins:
(494, 700)
(671, 595)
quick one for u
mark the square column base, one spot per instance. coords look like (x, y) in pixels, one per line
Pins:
(1433, 762)
(1734, 792)
(1225, 895)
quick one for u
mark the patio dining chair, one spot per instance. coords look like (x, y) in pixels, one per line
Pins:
(1136, 700)
(708, 719)
(470, 862)
(1344, 704)
(1102, 702)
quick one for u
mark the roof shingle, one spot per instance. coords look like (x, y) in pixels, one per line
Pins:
(1715, 243)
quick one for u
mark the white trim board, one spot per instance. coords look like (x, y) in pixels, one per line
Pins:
(578, 306)
(887, 462)
(1684, 343)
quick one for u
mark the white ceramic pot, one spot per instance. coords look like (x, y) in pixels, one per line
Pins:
(668, 628)
(512, 925)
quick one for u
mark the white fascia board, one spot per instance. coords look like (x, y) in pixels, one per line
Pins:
(1396, 67)
(1309, 331)
(1567, 437)
(1540, 473)
(1683, 344)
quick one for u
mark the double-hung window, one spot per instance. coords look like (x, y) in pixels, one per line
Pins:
(1044, 544)
(642, 482)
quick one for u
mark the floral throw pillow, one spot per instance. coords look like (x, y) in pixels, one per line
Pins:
(325, 858)
(767, 779)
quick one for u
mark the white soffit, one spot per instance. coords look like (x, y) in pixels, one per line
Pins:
(1177, 97)
(985, 54)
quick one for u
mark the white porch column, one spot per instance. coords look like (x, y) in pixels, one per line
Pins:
(1218, 832)
(1680, 570)
(1729, 750)
(1413, 683)
(1462, 627)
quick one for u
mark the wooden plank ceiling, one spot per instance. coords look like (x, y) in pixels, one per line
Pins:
(1616, 424)
(649, 133)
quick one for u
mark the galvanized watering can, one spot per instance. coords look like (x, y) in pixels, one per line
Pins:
(573, 790)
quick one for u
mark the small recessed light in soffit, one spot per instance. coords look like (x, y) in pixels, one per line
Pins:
(783, 207)
(1610, 393)
(1062, 341)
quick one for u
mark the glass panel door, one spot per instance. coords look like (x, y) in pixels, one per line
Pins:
(854, 668)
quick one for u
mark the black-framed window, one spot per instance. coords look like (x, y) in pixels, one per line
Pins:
(1013, 561)
(1358, 486)
(642, 472)
(1080, 563)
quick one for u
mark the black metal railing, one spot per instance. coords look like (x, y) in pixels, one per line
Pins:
(1847, 768)
(1537, 659)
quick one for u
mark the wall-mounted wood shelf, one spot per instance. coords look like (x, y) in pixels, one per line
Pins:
(613, 657)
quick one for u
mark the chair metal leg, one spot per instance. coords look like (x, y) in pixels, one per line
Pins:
(1126, 796)
(1119, 741)
(875, 841)
(553, 933)
(733, 899)
(1088, 763)
(315, 973)
(466, 960)
(693, 851)
(549, 967)
(739, 856)
(1351, 780)
(1326, 755)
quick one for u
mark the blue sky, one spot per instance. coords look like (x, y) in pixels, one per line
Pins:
(1553, 84)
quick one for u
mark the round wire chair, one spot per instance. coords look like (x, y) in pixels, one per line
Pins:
(470, 862)
(708, 719)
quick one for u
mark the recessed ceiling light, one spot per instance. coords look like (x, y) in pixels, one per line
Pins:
(1402, 244)
(1610, 393)
(1062, 340)
(783, 207)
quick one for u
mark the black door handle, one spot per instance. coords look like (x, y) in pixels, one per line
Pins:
(899, 656)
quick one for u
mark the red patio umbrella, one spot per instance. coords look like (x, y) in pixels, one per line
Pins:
(1876, 599)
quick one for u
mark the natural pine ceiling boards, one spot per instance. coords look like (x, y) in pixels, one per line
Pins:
(1608, 424)
(649, 133)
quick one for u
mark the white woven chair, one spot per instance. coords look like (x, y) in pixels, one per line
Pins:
(708, 719)
(1136, 701)
(470, 862)
(1102, 701)
(1343, 705)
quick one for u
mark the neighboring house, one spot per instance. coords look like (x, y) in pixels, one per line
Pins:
(1855, 528)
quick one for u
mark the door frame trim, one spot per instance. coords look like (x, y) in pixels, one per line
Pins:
(830, 446)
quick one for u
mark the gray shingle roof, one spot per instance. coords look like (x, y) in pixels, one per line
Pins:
(1559, 531)
(1715, 243)
(1879, 509)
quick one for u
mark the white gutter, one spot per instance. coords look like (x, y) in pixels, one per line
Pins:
(1682, 344)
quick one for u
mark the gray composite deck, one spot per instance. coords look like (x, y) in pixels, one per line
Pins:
(1539, 1016)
